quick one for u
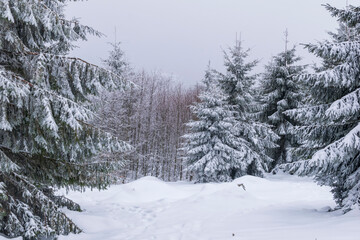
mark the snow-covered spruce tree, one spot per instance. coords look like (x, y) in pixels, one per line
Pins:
(330, 131)
(279, 92)
(45, 139)
(112, 106)
(116, 62)
(210, 144)
(254, 137)
(116, 109)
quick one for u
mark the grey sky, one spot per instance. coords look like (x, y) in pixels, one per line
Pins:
(179, 37)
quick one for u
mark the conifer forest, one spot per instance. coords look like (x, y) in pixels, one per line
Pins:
(68, 126)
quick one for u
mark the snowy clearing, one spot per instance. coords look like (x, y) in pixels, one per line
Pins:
(279, 207)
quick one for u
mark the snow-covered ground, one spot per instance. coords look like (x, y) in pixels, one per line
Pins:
(279, 207)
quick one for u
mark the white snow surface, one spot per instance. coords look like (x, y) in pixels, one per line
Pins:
(278, 207)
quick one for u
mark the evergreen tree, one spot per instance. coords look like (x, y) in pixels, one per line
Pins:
(116, 109)
(116, 61)
(211, 145)
(330, 131)
(46, 141)
(254, 136)
(279, 92)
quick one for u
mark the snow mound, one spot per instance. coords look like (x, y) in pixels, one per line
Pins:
(148, 189)
(146, 179)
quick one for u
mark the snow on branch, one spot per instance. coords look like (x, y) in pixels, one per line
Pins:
(350, 16)
(346, 107)
(308, 114)
(6, 164)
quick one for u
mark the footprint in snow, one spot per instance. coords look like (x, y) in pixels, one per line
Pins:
(145, 214)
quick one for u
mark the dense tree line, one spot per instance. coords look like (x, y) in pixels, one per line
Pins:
(61, 118)
(151, 116)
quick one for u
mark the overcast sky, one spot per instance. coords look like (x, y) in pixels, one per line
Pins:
(180, 37)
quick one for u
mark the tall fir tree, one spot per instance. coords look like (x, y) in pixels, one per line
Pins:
(46, 141)
(279, 91)
(116, 62)
(113, 106)
(116, 109)
(330, 131)
(255, 137)
(211, 144)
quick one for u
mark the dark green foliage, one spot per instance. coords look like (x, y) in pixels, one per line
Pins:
(46, 141)
(279, 91)
(330, 123)
(237, 84)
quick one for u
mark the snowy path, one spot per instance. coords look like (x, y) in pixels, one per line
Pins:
(275, 208)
